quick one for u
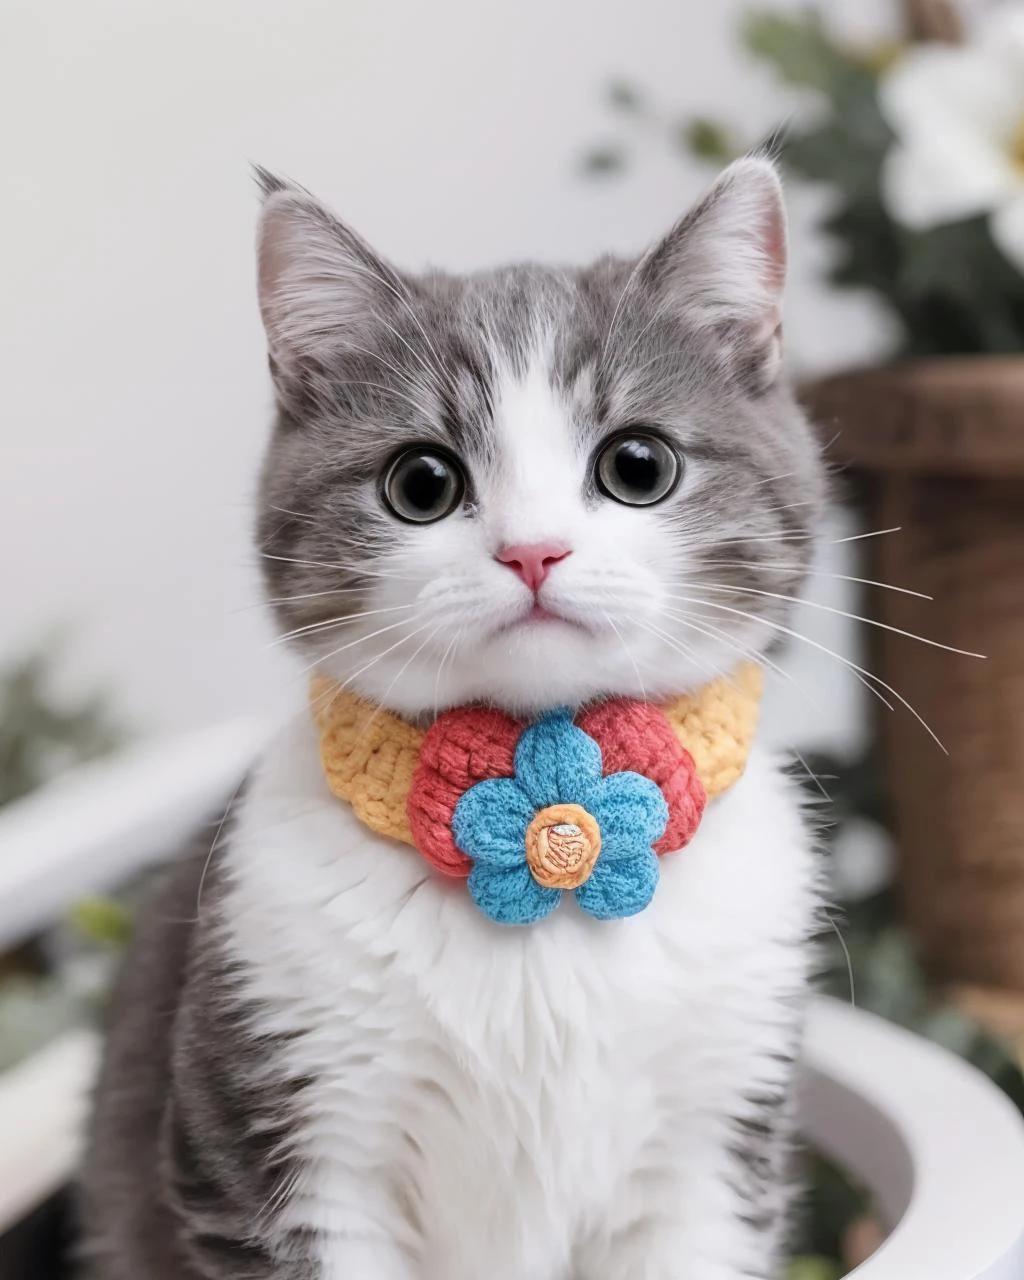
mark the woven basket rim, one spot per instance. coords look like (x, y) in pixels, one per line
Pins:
(960, 415)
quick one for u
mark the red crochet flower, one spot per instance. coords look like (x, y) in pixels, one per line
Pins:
(465, 746)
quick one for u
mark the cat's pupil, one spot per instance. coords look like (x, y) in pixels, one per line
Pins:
(424, 483)
(637, 466)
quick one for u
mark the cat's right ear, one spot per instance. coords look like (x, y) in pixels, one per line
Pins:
(320, 285)
(723, 266)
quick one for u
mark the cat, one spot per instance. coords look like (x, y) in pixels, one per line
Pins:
(527, 487)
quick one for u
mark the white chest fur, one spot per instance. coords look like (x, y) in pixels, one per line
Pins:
(495, 1102)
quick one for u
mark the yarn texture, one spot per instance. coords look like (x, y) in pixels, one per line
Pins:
(717, 725)
(368, 755)
(528, 812)
(558, 765)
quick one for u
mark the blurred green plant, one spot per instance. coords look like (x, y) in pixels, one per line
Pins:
(105, 922)
(47, 989)
(40, 735)
(813, 1268)
(951, 288)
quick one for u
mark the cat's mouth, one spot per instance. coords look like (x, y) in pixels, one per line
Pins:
(538, 616)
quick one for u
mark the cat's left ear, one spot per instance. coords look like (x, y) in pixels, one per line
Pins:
(321, 287)
(724, 265)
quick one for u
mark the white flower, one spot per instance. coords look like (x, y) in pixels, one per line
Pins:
(958, 116)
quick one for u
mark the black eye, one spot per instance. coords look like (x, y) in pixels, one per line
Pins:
(637, 469)
(422, 485)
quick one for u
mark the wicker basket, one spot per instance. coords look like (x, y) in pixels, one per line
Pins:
(941, 446)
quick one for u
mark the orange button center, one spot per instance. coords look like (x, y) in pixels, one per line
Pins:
(562, 844)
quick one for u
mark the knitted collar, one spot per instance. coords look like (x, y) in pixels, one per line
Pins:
(582, 803)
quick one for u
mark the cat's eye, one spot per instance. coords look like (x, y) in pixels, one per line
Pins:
(637, 468)
(422, 485)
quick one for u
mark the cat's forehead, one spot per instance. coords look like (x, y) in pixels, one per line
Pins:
(511, 311)
(523, 347)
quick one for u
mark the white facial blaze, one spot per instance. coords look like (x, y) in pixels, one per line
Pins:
(537, 487)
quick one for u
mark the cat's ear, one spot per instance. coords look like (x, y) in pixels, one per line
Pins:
(320, 285)
(724, 264)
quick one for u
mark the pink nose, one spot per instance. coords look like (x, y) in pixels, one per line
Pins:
(532, 561)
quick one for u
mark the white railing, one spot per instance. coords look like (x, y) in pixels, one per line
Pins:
(941, 1148)
(91, 829)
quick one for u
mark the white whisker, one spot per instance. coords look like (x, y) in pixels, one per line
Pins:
(440, 668)
(382, 701)
(287, 511)
(391, 391)
(628, 652)
(404, 301)
(750, 655)
(814, 701)
(344, 568)
(811, 774)
(658, 313)
(327, 623)
(795, 537)
(859, 537)
(358, 640)
(214, 842)
(796, 635)
(675, 643)
(783, 475)
(784, 506)
(849, 958)
(618, 305)
(404, 378)
(431, 372)
(305, 595)
(380, 656)
(827, 608)
(814, 573)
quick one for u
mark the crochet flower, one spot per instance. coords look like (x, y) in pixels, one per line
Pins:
(557, 825)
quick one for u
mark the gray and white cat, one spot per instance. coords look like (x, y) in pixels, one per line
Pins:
(530, 487)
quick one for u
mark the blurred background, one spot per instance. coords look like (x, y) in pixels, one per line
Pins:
(463, 134)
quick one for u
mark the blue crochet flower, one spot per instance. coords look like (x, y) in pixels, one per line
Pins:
(556, 763)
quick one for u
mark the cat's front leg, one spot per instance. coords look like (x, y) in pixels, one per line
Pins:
(357, 1228)
(348, 1259)
(722, 1214)
(721, 1247)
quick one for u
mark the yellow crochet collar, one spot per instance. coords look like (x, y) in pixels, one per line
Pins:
(369, 754)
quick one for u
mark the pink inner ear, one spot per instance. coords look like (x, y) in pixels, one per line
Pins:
(773, 246)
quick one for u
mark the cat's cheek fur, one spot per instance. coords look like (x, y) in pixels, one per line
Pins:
(586, 1101)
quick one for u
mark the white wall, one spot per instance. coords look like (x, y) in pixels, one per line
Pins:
(134, 395)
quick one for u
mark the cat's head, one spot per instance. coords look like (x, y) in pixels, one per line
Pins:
(532, 486)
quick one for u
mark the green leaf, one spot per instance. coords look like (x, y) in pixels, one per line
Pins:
(103, 920)
(957, 293)
(813, 1267)
(846, 149)
(42, 735)
(798, 48)
(707, 139)
(603, 161)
